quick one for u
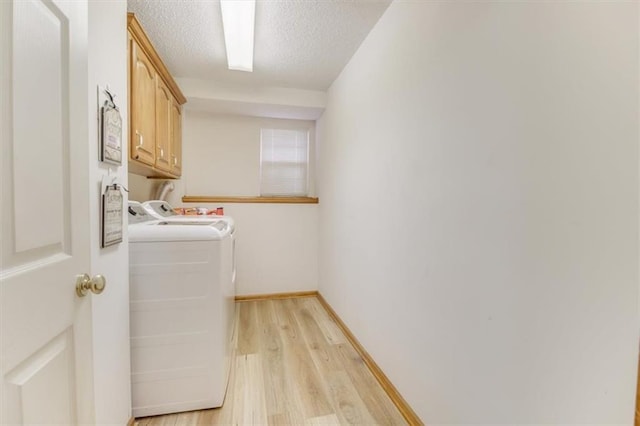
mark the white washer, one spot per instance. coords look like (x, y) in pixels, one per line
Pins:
(162, 210)
(181, 313)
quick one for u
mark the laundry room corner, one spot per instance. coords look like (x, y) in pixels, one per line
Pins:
(277, 249)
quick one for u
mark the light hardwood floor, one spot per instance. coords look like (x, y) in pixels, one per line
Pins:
(294, 366)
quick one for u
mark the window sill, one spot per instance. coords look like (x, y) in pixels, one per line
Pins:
(253, 200)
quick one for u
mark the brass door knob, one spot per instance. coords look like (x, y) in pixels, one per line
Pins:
(84, 284)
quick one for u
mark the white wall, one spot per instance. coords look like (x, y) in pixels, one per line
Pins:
(222, 152)
(140, 188)
(275, 102)
(276, 246)
(108, 65)
(479, 208)
(276, 243)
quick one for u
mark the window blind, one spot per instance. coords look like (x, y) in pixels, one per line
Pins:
(284, 162)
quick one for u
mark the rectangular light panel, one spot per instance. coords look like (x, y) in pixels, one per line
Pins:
(238, 20)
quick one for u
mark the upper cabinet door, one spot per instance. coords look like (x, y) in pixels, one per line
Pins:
(163, 126)
(143, 107)
(176, 138)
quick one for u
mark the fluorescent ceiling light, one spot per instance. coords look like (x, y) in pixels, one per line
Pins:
(238, 19)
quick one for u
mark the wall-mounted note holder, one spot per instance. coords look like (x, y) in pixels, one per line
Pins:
(109, 127)
(112, 210)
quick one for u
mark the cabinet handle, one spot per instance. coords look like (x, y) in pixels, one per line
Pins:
(161, 153)
(140, 140)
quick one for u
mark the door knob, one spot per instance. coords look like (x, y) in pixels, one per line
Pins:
(84, 284)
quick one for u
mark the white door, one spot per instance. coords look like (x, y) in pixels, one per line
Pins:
(44, 326)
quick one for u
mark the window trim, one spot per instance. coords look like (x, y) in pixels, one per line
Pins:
(251, 200)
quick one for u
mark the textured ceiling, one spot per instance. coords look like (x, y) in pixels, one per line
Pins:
(298, 43)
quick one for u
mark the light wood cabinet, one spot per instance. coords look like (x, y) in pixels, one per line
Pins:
(143, 112)
(176, 140)
(164, 135)
(155, 114)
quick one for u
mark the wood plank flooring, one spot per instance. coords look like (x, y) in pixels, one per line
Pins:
(292, 366)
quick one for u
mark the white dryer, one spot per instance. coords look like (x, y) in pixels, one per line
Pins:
(181, 313)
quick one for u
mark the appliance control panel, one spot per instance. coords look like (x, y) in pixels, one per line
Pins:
(162, 208)
(137, 213)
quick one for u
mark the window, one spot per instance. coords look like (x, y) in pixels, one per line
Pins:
(284, 162)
